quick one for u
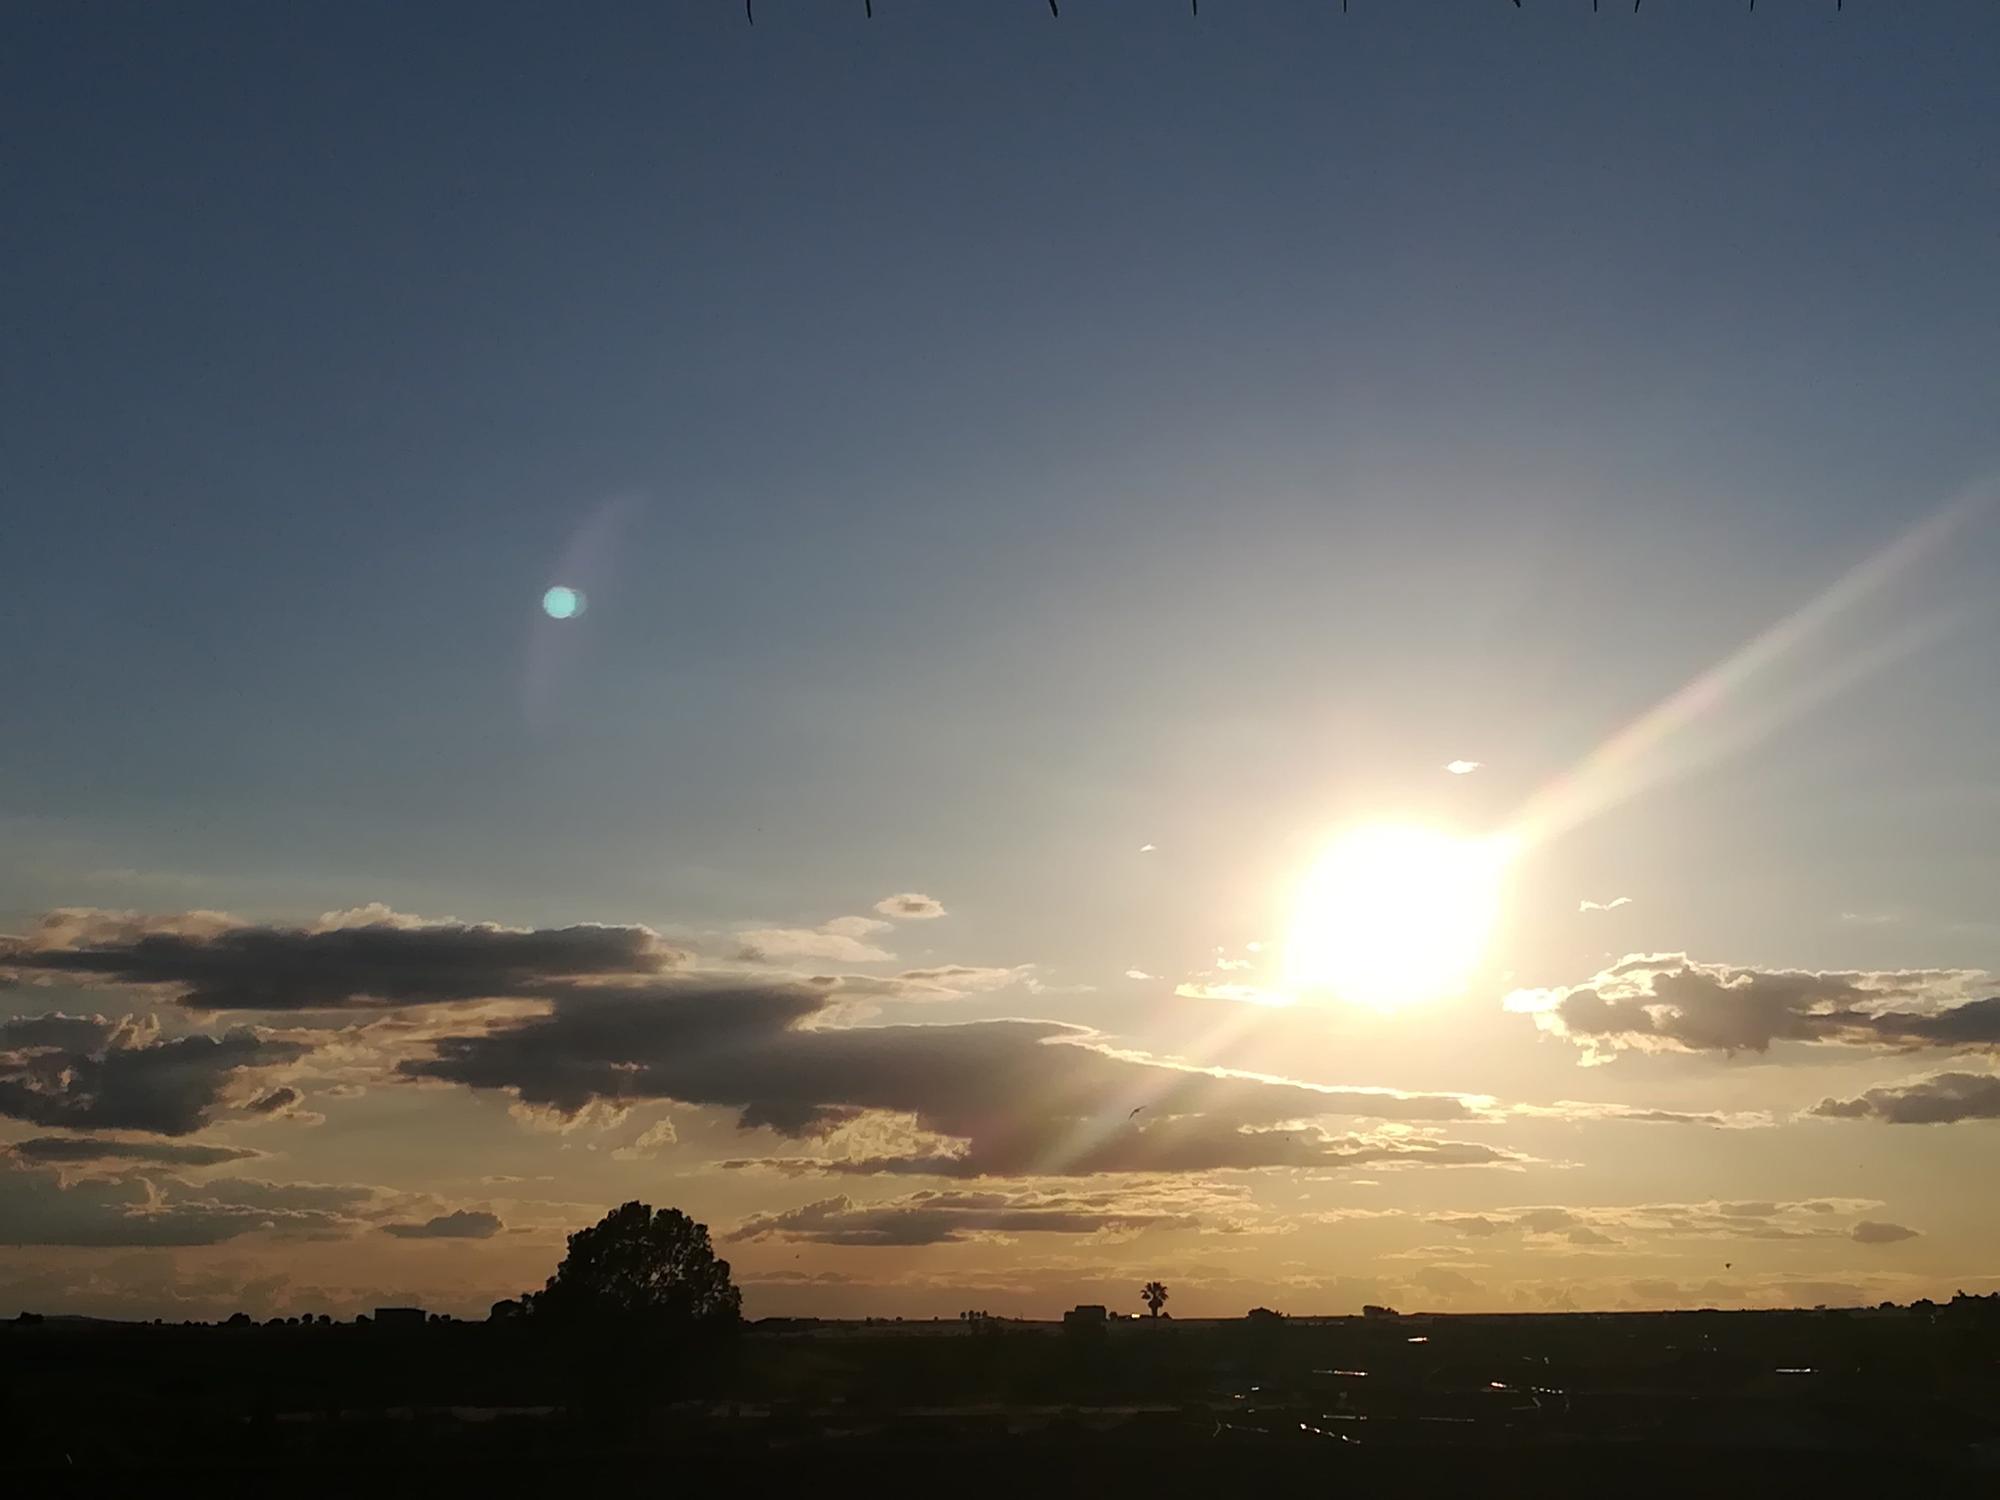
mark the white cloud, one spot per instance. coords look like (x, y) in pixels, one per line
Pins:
(1612, 905)
(854, 927)
(1464, 767)
(1248, 994)
(843, 940)
(659, 1134)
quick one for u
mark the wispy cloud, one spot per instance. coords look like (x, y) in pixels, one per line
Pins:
(939, 1218)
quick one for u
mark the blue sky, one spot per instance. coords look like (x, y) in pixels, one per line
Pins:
(989, 445)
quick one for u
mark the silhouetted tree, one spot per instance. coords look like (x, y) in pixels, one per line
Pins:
(1155, 1294)
(634, 1264)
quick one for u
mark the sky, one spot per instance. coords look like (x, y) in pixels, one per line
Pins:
(1332, 658)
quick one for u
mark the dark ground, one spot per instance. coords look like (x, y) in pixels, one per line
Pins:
(1685, 1403)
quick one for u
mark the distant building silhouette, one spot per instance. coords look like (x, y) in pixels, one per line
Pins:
(1085, 1315)
(399, 1317)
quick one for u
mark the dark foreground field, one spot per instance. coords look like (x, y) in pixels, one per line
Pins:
(1693, 1403)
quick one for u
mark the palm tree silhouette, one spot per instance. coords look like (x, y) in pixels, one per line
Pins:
(1154, 1293)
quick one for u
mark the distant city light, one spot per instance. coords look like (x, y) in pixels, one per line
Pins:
(561, 603)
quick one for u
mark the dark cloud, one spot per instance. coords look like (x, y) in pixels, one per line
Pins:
(1975, 1024)
(122, 1076)
(789, 1117)
(1870, 1232)
(374, 957)
(940, 1218)
(38, 1208)
(1669, 1001)
(79, 1148)
(464, 1224)
(910, 906)
(62, 1032)
(1024, 1097)
(282, 1097)
(1942, 1099)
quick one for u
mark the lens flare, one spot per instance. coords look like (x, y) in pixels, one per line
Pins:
(562, 603)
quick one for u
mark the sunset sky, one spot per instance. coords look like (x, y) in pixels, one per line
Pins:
(1330, 658)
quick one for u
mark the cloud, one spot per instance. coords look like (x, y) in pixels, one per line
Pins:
(1941, 1099)
(280, 1098)
(62, 1032)
(1446, 1282)
(1464, 767)
(1802, 1219)
(92, 1073)
(1870, 1232)
(1477, 1225)
(1577, 1111)
(911, 906)
(37, 1207)
(82, 1148)
(1233, 990)
(1137, 974)
(1022, 1097)
(943, 982)
(1195, 1146)
(463, 1224)
(942, 1218)
(371, 956)
(651, 1140)
(1612, 905)
(791, 1118)
(843, 940)
(1669, 1002)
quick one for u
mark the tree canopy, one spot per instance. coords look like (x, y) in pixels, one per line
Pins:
(638, 1264)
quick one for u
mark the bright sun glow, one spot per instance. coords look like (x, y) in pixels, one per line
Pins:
(1393, 915)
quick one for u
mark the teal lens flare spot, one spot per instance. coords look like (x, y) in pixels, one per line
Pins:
(561, 603)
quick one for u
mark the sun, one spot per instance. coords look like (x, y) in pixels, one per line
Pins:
(1393, 914)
